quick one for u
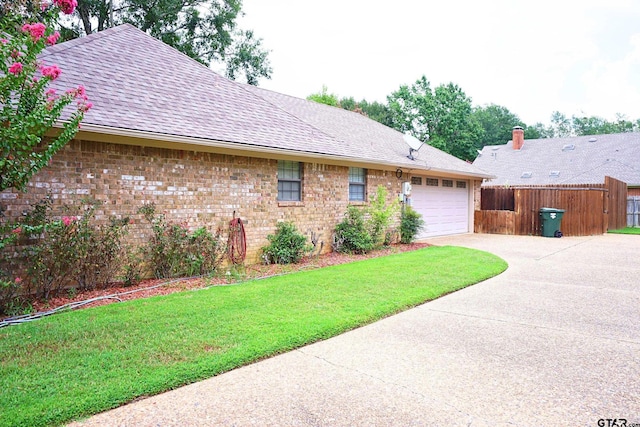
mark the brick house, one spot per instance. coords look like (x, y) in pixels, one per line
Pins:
(168, 130)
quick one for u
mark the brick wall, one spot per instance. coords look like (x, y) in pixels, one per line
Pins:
(200, 189)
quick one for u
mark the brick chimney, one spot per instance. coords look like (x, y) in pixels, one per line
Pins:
(518, 137)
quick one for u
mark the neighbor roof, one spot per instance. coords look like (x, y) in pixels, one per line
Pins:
(144, 88)
(575, 160)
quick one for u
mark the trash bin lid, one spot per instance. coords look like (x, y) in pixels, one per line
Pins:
(551, 210)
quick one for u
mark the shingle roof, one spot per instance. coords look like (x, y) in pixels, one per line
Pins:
(578, 160)
(365, 138)
(137, 83)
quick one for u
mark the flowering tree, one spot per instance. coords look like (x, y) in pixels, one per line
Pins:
(28, 108)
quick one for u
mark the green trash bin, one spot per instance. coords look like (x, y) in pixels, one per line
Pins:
(550, 219)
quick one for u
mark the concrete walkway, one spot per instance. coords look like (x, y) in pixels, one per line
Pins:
(555, 340)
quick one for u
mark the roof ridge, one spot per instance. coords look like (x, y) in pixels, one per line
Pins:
(80, 41)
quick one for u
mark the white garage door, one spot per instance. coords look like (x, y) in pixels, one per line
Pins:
(443, 203)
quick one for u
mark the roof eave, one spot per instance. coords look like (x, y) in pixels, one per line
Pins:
(138, 137)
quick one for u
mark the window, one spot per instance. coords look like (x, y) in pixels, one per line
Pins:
(447, 183)
(357, 184)
(289, 181)
(416, 180)
(461, 184)
(433, 182)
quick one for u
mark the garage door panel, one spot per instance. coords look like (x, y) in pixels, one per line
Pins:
(445, 210)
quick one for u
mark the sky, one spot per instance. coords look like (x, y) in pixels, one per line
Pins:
(579, 57)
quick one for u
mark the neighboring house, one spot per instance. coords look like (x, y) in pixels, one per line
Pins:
(574, 160)
(168, 130)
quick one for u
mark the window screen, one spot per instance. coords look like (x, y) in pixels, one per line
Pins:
(357, 184)
(289, 181)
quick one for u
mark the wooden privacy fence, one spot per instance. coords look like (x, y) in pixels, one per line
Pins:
(589, 209)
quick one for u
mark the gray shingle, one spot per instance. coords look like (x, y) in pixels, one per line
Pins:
(592, 158)
(137, 83)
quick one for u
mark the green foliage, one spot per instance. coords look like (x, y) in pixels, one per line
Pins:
(373, 110)
(43, 254)
(324, 97)
(84, 362)
(380, 215)
(205, 30)
(351, 234)
(497, 123)
(411, 223)
(443, 116)
(363, 230)
(173, 251)
(286, 246)
(562, 126)
(28, 110)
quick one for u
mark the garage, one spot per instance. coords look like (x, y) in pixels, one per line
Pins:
(443, 204)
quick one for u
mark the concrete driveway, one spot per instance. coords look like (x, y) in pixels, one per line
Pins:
(555, 340)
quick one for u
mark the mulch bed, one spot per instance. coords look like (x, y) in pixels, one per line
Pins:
(153, 287)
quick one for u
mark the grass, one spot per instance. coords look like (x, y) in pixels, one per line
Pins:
(83, 362)
(626, 230)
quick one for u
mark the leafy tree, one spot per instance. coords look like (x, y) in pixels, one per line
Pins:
(373, 110)
(497, 123)
(205, 30)
(443, 115)
(597, 125)
(324, 97)
(560, 125)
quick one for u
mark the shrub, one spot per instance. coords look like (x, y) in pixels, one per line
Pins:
(99, 249)
(351, 234)
(173, 251)
(379, 215)
(71, 251)
(205, 252)
(411, 223)
(286, 246)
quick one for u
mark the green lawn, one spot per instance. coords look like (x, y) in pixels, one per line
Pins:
(79, 363)
(626, 230)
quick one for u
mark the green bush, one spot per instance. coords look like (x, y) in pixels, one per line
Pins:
(286, 246)
(173, 251)
(42, 254)
(351, 234)
(411, 223)
(379, 215)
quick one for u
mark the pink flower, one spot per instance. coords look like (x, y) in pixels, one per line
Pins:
(81, 90)
(36, 30)
(4, 41)
(53, 38)
(44, 5)
(84, 107)
(17, 230)
(67, 6)
(67, 220)
(50, 92)
(16, 68)
(18, 280)
(16, 54)
(52, 72)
